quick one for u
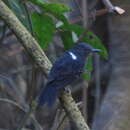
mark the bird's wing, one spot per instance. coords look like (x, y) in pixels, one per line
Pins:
(64, 68)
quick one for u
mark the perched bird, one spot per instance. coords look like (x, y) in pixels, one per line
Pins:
(65, 71)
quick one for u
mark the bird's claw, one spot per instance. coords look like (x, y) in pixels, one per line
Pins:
(67, 90)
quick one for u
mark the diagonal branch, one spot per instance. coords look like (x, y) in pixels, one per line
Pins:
(32, 47)
(111, 8)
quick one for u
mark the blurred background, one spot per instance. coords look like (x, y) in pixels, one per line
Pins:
(102, 96)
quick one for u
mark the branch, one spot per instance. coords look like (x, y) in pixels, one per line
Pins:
(12, 103)
(29, 43)
(32, 47)
(22, 109)
(111, 8)
(73, 112)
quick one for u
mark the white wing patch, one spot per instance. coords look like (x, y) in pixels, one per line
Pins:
(74, 57)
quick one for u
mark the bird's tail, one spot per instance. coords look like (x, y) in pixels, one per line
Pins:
(47, 96)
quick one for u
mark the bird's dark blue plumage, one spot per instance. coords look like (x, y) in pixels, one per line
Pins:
(65, 70)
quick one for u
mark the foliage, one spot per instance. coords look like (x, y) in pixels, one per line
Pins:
(44, 28)
(44, 24)
(54, 9)
(90, 38)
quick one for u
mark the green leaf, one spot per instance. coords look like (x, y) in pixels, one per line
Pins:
(86, 76)
(88, 68)
(37, 2)
(73, 27)
(54, 9)
(96, 43)
(67, 39)
(19, 9)
(89, 38)
(89, 64)
(44, 28)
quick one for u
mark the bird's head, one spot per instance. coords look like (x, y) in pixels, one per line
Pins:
(85, 49)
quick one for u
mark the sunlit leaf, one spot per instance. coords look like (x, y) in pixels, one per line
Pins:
(67, 39)
(86, 75)
(88, 68)
(89, 64)
(44, 28)
(54, 9)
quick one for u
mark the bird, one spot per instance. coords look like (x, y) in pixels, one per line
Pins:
(66, 69)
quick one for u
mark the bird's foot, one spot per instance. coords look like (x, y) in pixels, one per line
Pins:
(67, 90)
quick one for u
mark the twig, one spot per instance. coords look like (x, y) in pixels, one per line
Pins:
(73, 112)
(101, 12)
(28, 115)
(21, 108)
(108, 5)
(62, 122)
(37, 125)
(32, 85)
(85, 13)
(86, 26)
(97, 81)
(3, 33)
(77, 4)
(111, 8)
(56, 120)
(64, 118)
(84, 99)
(92, 14)
(29, 17)
(13, 103)
(42, 61)
(61, 119)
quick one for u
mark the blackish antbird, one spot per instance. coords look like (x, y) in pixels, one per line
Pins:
(65, 70)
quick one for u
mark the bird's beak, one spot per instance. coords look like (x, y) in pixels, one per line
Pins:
(96, 50)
